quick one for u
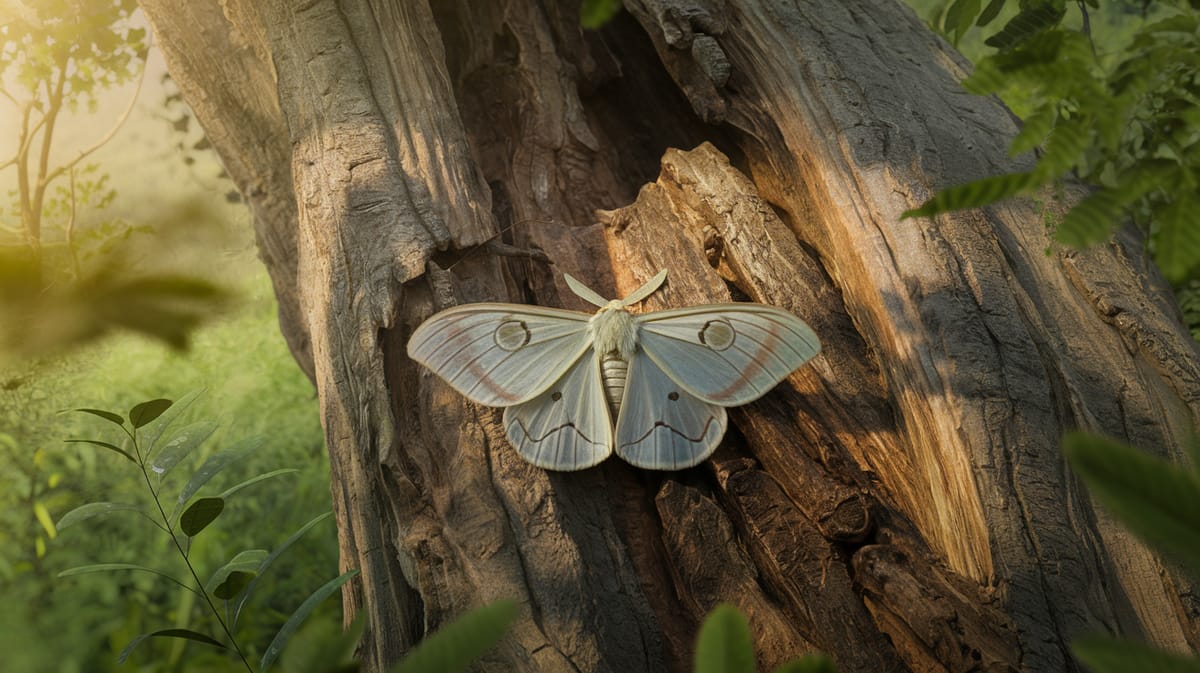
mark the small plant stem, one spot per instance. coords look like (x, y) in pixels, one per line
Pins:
(187, 561)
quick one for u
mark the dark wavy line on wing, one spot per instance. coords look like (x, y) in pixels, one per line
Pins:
(658, 424)
(553, 430)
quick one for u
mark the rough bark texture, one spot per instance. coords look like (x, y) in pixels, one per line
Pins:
(900, 503)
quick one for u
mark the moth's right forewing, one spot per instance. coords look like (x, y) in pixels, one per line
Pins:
(500, 354)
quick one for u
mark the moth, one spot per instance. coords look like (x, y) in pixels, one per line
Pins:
(577, 387)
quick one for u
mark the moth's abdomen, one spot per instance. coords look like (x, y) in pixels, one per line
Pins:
(613, 371)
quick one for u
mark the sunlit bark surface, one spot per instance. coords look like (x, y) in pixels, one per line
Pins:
(900, 503)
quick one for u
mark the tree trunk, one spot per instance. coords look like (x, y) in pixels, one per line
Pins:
(900, 503)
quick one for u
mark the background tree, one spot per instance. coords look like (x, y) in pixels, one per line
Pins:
(56, 56)
(900, 504)
(68, 271)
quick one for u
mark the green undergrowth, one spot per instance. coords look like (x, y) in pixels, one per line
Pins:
(251, 387)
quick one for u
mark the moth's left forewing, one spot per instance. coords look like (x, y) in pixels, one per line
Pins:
(500, 354)
(727, 354)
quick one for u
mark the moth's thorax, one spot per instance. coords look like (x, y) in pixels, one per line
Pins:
(614, 331)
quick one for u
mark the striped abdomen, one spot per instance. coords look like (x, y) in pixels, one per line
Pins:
(613, 371)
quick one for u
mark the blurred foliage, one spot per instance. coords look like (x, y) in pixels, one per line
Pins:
(1120, 113)
(39, 317)
(452, 648)
(595, 13)
(66, 272)
(1189, 303)
(724, 645)
(1159, 501)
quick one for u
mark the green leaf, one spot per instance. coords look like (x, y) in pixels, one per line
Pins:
(201, 513)
(1102, 654)
(247, 562)
(595, 13)
(454, 646)
(974, 194)
(43, 516)
(181, 444)
(813, 663)
(254, 480)
(275, 553)
(297, 618)
(148, 411)
(156, 428)
(1029, 22)
(724, 644)
(186, 634)
(215, 463)
(233, 584)
(960, 17)
(106, 415)
(109, 567)
(92, 509)
(105, 445)
(990, 12)
(1158, 501)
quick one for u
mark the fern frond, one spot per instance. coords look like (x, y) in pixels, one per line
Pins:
(1034, 130)
(974, 194)
(1188, 298)
(1063, 148)
(1094, 218)
(1091, 220)
(987, 79)
(1175, 237)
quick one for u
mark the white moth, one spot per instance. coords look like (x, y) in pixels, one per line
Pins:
(653, 387)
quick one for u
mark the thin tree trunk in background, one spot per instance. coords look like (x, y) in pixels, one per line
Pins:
(900, 503)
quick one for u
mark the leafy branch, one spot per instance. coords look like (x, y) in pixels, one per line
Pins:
(147, 446)
(1126, 123)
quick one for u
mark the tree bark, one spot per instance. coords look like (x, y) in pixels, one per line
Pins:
(900, 503)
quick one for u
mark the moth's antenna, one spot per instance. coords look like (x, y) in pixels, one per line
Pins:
(584, 292)
(646, 289)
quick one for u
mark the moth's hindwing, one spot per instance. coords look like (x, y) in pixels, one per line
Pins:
(662, 426)
(500, 354)
(727, 354)
(567, 426)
